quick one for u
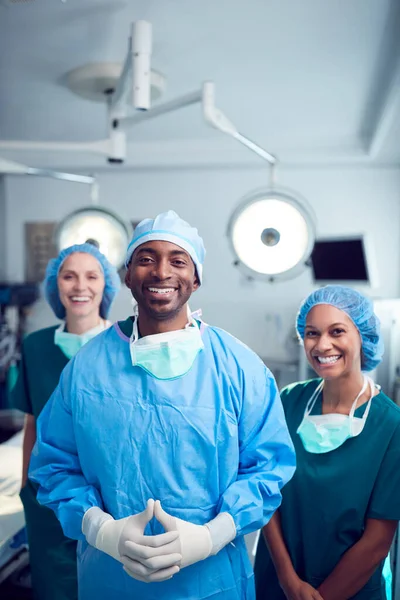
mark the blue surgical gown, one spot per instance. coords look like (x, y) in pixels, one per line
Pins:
(214, 440)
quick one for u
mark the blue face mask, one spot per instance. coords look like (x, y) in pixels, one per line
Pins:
(71, 343)
(166, 355)
(324, 433)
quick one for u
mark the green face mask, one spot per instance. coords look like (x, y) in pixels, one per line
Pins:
(166, 355)
(324, 433)
(71, 343)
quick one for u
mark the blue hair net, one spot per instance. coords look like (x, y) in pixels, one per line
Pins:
(361, 312)
(169, 227)
(111, 279)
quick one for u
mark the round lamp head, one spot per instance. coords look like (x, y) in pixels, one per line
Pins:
(99, 227)
(272, 234)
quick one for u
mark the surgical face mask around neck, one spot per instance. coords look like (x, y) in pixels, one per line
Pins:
(324, 433)
(166, 355)
(71, 343)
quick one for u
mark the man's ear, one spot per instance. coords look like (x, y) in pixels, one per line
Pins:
(196, 282)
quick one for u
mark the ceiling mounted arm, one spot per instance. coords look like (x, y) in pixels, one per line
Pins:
(212, 115)
(132, 89)
(114, 148)
(74, 177)
(218, 120)
(13, 168)
(134, 85)
(163, 109)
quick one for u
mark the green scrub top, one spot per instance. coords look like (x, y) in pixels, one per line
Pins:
(326, 504)
(52, 555)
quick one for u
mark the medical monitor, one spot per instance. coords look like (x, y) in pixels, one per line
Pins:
(347, 260)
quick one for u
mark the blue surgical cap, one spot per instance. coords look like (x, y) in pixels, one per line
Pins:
(111, 279)
(169, 227)
(361, 312)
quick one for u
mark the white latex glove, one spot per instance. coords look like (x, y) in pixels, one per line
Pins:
(145, 557)
(197, 542)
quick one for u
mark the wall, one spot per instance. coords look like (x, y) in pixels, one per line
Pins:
(345, 200)
(3, 260)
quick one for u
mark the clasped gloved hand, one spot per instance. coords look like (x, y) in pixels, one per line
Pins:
(197, 542)
(152, 558)
(147, 558)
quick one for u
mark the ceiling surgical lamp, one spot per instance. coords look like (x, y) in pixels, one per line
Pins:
(272, 234)
(98, 226)
(129, 91)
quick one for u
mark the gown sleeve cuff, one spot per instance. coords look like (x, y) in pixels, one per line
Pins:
(92, 520)
(222, 530)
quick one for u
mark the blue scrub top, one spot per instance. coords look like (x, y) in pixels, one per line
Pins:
(214, 440)
(326, 504)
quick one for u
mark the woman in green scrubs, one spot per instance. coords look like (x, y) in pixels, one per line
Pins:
(339, 513)
(80, 286)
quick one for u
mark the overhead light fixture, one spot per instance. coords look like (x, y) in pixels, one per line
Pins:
(272, 234)
(98, 226)
(98, 81)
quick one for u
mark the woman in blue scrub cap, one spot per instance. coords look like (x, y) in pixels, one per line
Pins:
(339, 513)
(80, 286)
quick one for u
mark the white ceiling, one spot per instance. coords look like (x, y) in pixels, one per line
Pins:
(310, 80)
